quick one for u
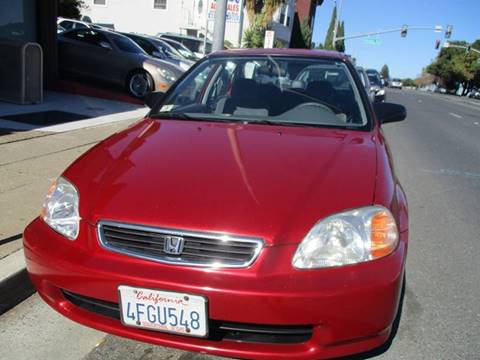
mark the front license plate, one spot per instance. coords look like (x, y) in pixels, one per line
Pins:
(166, 311)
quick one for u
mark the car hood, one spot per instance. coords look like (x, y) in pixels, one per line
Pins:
(272, 182)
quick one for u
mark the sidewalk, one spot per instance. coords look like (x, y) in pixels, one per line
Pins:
(30, 159)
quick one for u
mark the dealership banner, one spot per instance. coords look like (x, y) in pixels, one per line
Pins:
(234, 8)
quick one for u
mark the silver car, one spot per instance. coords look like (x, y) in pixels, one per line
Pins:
(114, 58)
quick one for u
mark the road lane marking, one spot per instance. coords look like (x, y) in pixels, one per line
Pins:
(449, 172)
(455, 115)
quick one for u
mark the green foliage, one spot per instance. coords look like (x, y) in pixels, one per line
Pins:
(227, 44)
(70, 8)
(254, 36)
(265, 7)
(456, 66)
(385, 72)
(319, 46)
(409, 82)
(306, 32)
(340, 45)
(328, 43)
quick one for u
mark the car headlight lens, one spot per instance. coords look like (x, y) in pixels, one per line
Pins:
(349, 237)
(60, 209)
(167, 74)
(381, 92)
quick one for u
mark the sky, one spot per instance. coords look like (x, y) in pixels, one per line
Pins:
(405, 57)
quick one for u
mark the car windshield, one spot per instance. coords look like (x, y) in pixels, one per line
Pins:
(374, 79)
(126, 44)
(270, 90)
(182, 49)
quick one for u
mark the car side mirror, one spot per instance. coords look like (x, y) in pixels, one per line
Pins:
(389, 112)
(153, 98)
(105, 45)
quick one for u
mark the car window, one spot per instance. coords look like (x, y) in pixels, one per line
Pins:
(125, 44)
(67, 25)
(87, 36)
(270, 89)
(80, 26)
(144, 44)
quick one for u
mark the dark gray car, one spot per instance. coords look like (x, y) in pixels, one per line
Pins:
(114, 58)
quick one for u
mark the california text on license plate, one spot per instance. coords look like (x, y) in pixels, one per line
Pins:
(167, 311)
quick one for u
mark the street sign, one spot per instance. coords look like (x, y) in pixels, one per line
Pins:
(438, 28)
(234, 7)
(372, 41)
(269, 39)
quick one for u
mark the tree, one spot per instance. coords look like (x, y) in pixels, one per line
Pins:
(70, 8)
(456, 66)
(260, 15)
(385, 72)
(265, 7)
(340, 45)
(328, 43)
(306, 32)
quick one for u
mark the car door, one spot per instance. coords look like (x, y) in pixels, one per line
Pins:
(87, 52)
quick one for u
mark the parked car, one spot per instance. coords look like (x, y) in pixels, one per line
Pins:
(194, 44)
(112, 57)
(474, 93)
(242, 219)
(160, 49)
(366, 83)
(376, 85)
(396, 84)
(86, 23)
(70, 24)
(181, 49)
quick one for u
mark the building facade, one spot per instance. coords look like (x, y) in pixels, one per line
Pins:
(188, 17)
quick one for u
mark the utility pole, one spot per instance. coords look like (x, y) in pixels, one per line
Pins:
(219, 28)
(206, 29)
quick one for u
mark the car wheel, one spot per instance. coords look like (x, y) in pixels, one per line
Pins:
(140, 84)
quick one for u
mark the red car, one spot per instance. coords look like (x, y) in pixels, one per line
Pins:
(254, 213)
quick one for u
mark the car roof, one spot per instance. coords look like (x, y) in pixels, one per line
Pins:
(183, 36)
(282, 52)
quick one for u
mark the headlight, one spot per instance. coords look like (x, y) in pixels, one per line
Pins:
(347, 238)
(167, 74)
(381, 92)
(60, 209)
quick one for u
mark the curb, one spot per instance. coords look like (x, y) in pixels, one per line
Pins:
(14, 289)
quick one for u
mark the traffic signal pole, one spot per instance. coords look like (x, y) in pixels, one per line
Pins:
(403, 28)
(219, 28)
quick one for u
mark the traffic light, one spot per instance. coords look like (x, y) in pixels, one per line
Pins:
(404, 31)
(437, 44)
(468, 49)
(448, 31)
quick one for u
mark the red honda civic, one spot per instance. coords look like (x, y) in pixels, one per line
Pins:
(254, 213)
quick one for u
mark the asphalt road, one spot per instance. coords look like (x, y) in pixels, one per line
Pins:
(437, 157)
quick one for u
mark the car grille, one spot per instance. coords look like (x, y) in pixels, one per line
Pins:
(197, 249)
(218, 330)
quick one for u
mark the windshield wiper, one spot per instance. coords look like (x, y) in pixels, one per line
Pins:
(178, 115)
(173, 115)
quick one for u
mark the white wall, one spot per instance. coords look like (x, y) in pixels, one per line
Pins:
(140, 16)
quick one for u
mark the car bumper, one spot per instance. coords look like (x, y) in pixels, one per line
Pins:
(350, 309)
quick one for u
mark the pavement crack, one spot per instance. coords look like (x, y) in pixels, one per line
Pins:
(50, 153)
